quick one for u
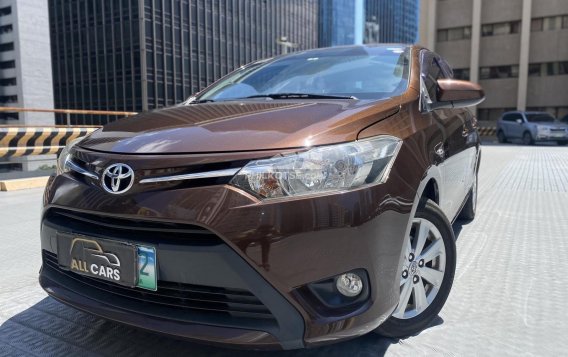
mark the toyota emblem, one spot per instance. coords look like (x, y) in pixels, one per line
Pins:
(117, 178)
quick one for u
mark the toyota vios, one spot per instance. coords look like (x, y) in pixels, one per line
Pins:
(298, 201)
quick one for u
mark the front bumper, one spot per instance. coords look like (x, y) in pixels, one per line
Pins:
(269, 249)
(551, 137)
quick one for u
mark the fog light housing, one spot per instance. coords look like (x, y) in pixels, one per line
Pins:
(349, 284)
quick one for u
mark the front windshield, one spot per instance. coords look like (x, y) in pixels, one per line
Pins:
(360, 72)
(540, 118)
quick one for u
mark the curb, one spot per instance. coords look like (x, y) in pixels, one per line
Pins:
(23, 184)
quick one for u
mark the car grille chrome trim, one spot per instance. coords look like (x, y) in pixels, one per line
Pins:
(78, 169)
(194, 176)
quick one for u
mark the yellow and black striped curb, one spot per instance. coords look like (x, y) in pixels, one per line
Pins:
(23, 141)
(487, 131)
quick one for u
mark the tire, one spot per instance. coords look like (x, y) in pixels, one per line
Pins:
(501, 137)
(409, 320)
(527, 138)
(468, 211)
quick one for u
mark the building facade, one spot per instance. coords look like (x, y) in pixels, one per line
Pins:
(136, 55)
(516, 49)
(25, 69)
(25, 61)
(348, 22)
(397, 21)
(341, 22)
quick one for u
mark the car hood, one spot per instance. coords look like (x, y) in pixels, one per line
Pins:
(552, 125)
(239, 126)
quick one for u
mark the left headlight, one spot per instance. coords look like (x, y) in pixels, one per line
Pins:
(543, 130)
(321, 169)
(64, 156)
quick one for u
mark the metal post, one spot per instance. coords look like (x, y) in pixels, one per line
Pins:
(68, 118)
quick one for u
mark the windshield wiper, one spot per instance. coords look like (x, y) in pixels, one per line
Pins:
(199, 101)
(299, 95)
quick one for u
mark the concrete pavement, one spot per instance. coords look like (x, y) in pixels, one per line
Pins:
(508, 297)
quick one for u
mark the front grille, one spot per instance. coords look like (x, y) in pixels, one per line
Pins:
(123, 228)
(231, 303)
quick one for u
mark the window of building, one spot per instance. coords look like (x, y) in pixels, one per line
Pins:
(5, 11)
(552, 23)
(8, 99)
(549, 23)
(461, 73)
(458, 34)
(487, 30)
(536, 25)
(7, 64)
(7, 81)
(563, 68)
(548, 69)
(6, 29)
(502, 28)
(535, 70)
(7, 47)
(499, 72)
(454, 34)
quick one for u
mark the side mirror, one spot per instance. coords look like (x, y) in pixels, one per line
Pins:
(453, 93)
(519, 121)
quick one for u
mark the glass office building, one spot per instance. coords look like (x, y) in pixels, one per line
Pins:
(136, 55)
(382, 21)
(397, 20)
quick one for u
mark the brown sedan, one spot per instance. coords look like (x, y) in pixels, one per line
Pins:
(298, 201)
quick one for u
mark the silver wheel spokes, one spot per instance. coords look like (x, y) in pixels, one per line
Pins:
(422, 270)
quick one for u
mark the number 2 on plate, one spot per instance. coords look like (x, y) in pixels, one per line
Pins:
(144, 255)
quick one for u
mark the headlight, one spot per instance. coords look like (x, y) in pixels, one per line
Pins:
(542, 130)
(321, 169)
(64, 156)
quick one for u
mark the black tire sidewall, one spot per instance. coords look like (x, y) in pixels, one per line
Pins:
(398, 328)
(501, 137)
(530, 141)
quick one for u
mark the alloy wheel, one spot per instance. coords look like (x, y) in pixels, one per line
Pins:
(423, 269)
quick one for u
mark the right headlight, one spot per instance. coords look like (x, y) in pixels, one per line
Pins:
(64, 156)
(321, 169)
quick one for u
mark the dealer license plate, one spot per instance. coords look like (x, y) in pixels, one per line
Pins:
(118, 262)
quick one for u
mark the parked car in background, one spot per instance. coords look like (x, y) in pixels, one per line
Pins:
(298, 201)
(530, 127)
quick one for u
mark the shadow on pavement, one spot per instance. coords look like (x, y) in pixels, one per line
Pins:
(51, 328)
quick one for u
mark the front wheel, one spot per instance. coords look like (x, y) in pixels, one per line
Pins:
(527, 138)
(427, 273)
(501, 137)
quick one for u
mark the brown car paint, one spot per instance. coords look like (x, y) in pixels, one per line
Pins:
(293, 241)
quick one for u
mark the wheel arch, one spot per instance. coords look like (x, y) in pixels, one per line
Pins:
(431, 191)
(429, 187)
